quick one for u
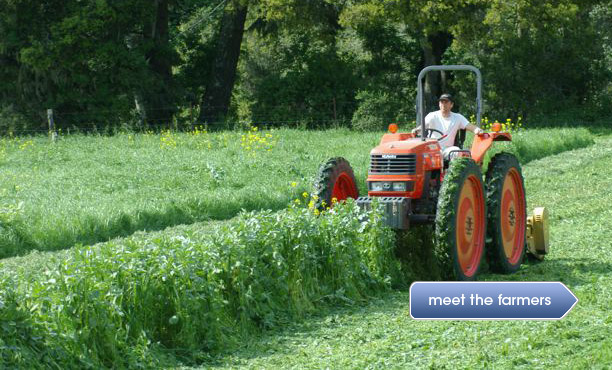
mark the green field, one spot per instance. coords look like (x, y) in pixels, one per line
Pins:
(81, 307)
(88, 189)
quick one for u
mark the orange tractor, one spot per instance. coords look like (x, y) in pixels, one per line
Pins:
(473, 217)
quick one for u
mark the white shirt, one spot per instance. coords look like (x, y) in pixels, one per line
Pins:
(448, 125)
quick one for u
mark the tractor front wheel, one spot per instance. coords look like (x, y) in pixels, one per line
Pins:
(460, 220)
(507, 217)
(335, 180)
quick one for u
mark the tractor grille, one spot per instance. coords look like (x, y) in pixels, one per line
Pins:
(401, 164)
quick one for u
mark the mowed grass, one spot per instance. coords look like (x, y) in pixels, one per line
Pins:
(575, 187)
(88, 189)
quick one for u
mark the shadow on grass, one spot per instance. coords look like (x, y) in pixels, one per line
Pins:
(602, 129)
(570, 271)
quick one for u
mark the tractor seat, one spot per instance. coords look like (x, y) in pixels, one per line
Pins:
(460, 138)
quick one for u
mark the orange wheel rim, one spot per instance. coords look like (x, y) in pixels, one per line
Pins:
(344, 187)
(470, 225)
(513, 216)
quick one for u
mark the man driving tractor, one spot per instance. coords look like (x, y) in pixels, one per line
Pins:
(413, 185)
(444, 124)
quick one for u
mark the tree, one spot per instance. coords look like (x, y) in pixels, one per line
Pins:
(431, 23)
(536, 57)
(218, 89)
(84, 59)
(387, 60)
(157, 94)
(292, 71)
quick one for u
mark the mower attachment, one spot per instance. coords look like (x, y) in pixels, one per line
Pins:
(395, 210)
(538, 233)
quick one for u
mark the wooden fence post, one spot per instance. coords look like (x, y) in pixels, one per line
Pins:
(52, 132)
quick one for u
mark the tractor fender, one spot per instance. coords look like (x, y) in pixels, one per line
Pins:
(483, 142)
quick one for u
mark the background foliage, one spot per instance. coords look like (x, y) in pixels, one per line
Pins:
(107, 64)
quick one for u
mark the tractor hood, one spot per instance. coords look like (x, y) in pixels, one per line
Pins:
(402, 158)
(399, 145)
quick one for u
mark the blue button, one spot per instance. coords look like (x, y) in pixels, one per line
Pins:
(490, 300)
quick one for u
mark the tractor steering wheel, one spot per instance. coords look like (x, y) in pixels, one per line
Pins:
(429, 131)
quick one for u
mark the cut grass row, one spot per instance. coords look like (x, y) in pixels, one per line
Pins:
(123, 304)
(87, 189)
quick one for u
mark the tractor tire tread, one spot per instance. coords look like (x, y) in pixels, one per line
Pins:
(446, 214)
(328, 173)
(499, 165)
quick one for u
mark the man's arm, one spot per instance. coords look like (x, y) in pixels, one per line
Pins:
(428, 119)
(465, 124)
(474, 129)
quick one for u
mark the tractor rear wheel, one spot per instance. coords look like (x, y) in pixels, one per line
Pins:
(460, 220)
(335, 180)
(507, 213)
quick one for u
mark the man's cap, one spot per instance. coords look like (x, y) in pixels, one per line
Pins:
(448, 97)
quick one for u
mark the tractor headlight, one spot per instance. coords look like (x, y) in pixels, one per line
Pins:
(399, 186)
(377, 186)
(390, 186)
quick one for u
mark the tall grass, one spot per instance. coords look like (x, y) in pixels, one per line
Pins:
(111, 305)
(529, 145)
(87, 189)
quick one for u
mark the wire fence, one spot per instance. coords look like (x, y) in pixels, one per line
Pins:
(110, 121)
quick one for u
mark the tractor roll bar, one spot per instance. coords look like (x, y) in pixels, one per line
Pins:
(420, 97)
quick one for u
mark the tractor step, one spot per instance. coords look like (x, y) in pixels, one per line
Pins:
(395, 210)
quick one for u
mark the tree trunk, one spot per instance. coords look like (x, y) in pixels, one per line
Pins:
(218, 90)
(433, 47)
(157, 102)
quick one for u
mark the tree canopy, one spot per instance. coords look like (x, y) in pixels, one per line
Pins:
(309, 63)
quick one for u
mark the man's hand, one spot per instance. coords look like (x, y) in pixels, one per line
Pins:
(475, 129)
